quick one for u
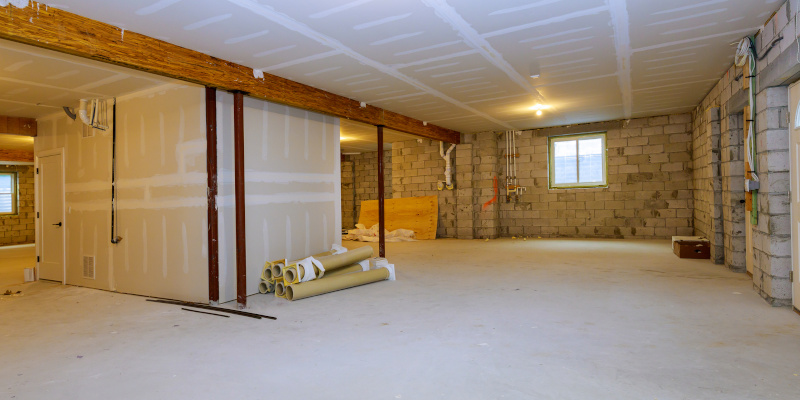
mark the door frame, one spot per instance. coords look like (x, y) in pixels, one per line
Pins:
(38, 207)
(794, 108)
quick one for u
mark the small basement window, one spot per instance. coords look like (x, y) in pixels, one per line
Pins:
(577, 161)
(8, 193)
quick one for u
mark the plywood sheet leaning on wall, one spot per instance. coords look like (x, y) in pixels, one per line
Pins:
(418, 214)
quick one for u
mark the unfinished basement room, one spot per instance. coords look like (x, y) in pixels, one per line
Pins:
(419, 199)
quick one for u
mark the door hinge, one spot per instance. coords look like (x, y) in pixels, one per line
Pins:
(37, 214)
(37, 258)
(37, 171)
(791, 276)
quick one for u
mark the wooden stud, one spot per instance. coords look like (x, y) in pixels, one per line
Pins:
(18, 125)
(42, 26)
(16, 155)
(748, 196)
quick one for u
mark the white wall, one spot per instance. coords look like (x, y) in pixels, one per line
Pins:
(162, 195)
(292, 187)
(292, 162)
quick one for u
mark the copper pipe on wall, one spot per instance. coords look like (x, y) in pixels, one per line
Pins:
(211, 170)
(238, 159)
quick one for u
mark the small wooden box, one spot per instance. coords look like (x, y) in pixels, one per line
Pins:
(692, 249)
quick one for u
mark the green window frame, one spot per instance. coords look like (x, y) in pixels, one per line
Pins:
(9, 193)
(577, 161)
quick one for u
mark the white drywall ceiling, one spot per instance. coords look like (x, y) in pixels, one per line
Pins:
(464, 64)
(357, 137)
(16, 142)
(35, 82)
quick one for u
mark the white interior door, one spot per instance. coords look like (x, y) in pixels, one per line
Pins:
(794, 145)
(51, 208)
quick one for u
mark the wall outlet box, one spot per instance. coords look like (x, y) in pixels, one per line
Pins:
(750, 185)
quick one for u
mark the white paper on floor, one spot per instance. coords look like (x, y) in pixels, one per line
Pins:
(362, 234)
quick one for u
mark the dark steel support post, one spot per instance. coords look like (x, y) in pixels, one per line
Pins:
(381, 225)
(238, 160)
(211, 169)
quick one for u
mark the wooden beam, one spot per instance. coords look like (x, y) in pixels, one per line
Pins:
(16, 155)
(18, 125)
(42, 26)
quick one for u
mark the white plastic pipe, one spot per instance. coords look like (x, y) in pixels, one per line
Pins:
(91, 120)
(82, 112)
(447, 169)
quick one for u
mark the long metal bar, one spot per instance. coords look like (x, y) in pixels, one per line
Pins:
(238, 160)
(211, 169)
(207, 307)
(203, 312)
(115, 238)
(381, 224)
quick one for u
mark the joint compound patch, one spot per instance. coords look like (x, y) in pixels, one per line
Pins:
(258, 74)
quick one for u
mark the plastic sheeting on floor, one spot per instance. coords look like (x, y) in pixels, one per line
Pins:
(362, 234)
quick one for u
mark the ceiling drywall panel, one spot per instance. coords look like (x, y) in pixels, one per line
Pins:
(357, 137)
(35, 82)
(385, 52)
(16, 142)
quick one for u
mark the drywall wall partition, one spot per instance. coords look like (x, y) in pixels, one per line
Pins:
(292, 189)
(161, 184)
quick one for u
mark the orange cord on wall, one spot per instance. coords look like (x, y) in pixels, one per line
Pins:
(494, 199)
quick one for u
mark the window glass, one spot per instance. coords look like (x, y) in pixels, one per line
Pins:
(7, 193)
(577, 161)
(564, 157)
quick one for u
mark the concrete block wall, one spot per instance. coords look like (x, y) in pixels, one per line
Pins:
(732, 191)
(416, 170)
(348, 193)
(771, 236)
(19, 228)
(649, 193)
(360, 182)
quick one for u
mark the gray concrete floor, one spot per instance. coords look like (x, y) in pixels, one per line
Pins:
(504, 319)
(13, 261)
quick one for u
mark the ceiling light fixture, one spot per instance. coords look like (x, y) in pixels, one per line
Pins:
(539, 112)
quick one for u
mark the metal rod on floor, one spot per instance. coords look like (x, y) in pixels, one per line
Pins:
(381, 225)
(211, 169)
(203, 312)
(238, 157)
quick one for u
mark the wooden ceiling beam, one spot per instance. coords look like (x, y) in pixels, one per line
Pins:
(18, 126)
(50, 28)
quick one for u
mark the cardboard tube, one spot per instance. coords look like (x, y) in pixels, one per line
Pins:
(342, 271)
(295, 273)
(266, 273)
(280, 289)
(266, 287)
(323, 254)
(290, 274)
(332, 284)
(277, 268)
(337, 261)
